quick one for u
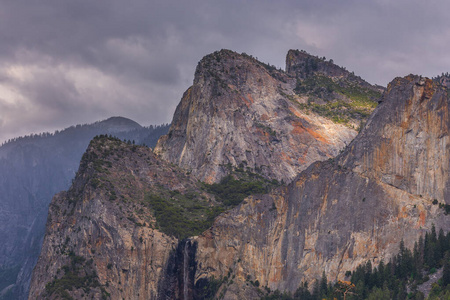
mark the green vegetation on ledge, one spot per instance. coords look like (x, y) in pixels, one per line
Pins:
(361, 104)
(78, 275)
(188, 214)
(182, 220)
(339, 112)
(322, 86)
(232, 192)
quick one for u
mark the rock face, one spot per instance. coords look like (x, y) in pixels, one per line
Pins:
(342, 212)
(334, 215)
(32, 170)
(303, 65)
(104, 221)
(407, 144)
(242, 113)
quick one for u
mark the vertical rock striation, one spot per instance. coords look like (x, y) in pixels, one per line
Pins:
(177, 281)
(407, 145)
(102, 239)
(240, 112)
(342, 212)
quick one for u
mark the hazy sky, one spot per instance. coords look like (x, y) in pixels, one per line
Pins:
(72, 62)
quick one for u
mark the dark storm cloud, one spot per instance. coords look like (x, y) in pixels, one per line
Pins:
(68, 62)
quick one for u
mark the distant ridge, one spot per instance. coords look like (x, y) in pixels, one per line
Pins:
(32, 169)
(120, 124)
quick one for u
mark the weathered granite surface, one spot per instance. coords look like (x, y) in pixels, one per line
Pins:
(333, 216)
(103, 218)
(241, 112)
(339, 213)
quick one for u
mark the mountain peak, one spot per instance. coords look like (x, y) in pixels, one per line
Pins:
(117, 120)
(243, 113)
(226, 66)
(301, 64)
(119, 124)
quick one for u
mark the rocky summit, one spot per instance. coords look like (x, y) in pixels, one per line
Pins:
(204, 216)
(241, 113)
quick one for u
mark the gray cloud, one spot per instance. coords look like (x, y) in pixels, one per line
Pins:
(69, 62)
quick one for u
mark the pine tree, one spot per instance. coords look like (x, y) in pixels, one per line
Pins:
(446, 272)
(430, 244)
(380, 274)
(421, 246)
(316, 290)
(380, 294)
(323, 285)
(368, 275)
(302, 293)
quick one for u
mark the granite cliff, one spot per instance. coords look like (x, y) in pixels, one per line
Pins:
(111, 236)
(240, 112)
(120, 230)
(342, 212)
(102, 240)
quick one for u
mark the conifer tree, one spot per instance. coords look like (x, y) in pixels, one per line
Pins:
(323, 285)
(446, 271)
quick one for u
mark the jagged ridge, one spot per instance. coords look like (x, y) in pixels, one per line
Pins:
(242, 113)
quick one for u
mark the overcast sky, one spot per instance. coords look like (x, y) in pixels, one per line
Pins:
(72, 62)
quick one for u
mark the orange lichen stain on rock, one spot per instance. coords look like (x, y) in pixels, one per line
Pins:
(310, 239)
(405, 124)
(263, 135)
(295, 112)
(232, 86)
(403, 213)
(324, 205)
(364, 244)
(301, 181)
(314, 177)
(285, 157)
(276, 272)
(317, 136)
(247, 102)
(410, 78)
(300, 129)
(301, 159)
(260, 220)
(210, 177)
(250, 98)
(428, 91)
(422, 218)
(55, 225)
(99, 242)
(380, 157)
(187, 94)
(264, 117)
(299, 114)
